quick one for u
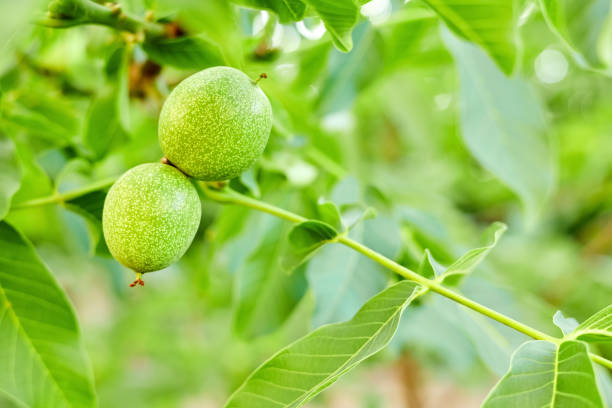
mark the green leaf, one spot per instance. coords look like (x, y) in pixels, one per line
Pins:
(566, 324)
(305, 239)
(303, 369)
(184, 52)
(342, 279)
(90, 207)
(42, 358)
(266, 294)
(287, 10)
(330, 214)
(597, 328)
(339, 17)
(503, 125)
(10, 174)
(103, 128)
(489, 24)
(543, 374)
(580, 25)
(466, 263)
(117, 72)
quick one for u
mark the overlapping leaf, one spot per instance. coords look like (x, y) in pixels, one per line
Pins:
(305, 368)
(42, 359)
(543, 374)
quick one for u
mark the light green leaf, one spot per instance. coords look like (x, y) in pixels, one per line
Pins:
(266, 294)
(330, 214)
(339, 17)
(342, 279)
(305, 239)
(566, 324)
(184, 52)
(467, 262)
(42, 358)
(543, 374)
(597, 328)
(580, 25)
(10, 173)
(287, 10)
(503, 125)
(303, 369)
(489, 24)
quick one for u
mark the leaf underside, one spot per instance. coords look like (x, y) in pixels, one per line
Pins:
(42, 359)
(303, 369)
(543, 374)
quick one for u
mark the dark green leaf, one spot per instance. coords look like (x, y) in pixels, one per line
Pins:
(305, 368)
(184, 52)
(42, 358)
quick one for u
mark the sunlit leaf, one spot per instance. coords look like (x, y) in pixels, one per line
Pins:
(543, 374)
(305, 368)
(339, 17)
(580, 25)
(503, 125)
(42, 359)
(597, 328)
(489, 24)
(287, 10)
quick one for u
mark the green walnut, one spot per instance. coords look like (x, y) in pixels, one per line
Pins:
(215, 124)
(150, 217)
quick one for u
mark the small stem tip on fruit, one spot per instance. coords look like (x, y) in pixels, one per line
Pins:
(138, 280)
(260, 77)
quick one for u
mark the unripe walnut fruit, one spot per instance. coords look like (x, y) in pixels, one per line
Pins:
(150, 217)
(215, 124)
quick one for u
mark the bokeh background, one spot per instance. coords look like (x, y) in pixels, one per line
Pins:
(381, 126)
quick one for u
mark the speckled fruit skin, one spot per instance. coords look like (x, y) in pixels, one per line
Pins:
(215, 124)
(150, 217)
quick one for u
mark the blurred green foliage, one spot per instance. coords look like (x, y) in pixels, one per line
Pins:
(419, 123)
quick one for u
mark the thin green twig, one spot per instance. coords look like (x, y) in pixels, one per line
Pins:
(228, 196)
(89, 12)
